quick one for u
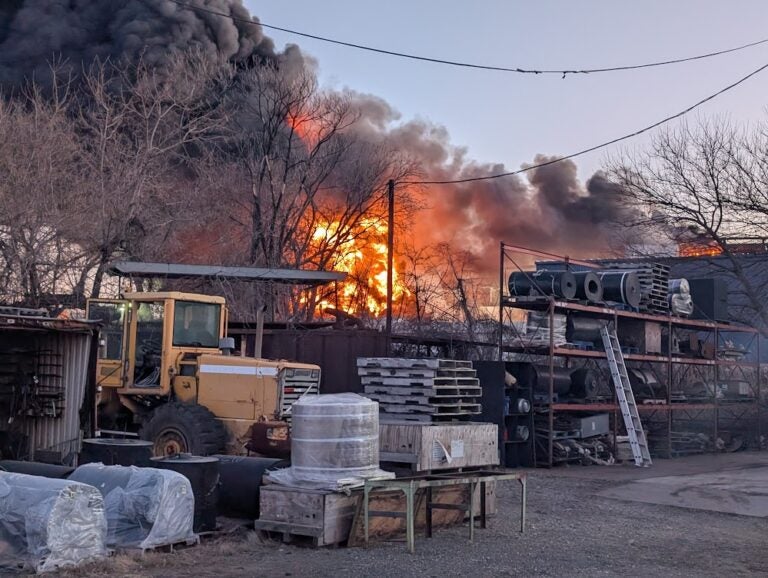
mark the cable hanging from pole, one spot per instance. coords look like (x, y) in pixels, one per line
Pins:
(513, 69)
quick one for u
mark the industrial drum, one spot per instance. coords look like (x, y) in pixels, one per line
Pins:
(203, 473)
(116, 452)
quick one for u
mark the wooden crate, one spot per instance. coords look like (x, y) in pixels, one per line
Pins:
(324, 516)
(439, 446)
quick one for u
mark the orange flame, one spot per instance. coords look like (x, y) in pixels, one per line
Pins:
(699, 250)
(305, 128)
(362, 254)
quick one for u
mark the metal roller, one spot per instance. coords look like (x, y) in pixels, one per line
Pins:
(555, 283)
(588, 286)
(621, 287)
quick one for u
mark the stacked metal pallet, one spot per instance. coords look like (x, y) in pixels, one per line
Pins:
(421, 390)
(654, 285)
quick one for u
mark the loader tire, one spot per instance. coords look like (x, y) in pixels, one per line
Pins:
(177, 428)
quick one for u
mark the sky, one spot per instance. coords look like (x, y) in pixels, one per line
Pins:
(509, 118)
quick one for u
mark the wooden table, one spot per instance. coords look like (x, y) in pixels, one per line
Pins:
(410, 485)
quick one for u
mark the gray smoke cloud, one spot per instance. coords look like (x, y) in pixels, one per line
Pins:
(547, 209)
(33, 32)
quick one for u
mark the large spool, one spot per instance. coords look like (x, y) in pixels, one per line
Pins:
(47, 524)
(116, 452)
(588, 286)
(553, 283)
(621, 287)
(584, 383)
(203, 473)
(584, 329)
(241, 480)
(335, 437)
(145, 507)
(537, 378)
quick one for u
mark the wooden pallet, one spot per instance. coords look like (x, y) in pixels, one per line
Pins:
(440, 391)
(399, 363)
(421, 381)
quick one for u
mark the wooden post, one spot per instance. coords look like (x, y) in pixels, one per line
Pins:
(390, 255)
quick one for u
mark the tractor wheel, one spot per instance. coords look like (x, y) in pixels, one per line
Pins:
(177, 428)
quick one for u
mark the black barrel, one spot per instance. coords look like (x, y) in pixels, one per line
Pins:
(621, 287)
(116, 452)
(584, 383)
(203, 473)
(588, 286)
(537, 378)
(584, 329)
(36, 469)
(241, 478)
(555, 283)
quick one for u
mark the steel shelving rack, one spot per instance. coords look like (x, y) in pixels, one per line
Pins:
(658, 419)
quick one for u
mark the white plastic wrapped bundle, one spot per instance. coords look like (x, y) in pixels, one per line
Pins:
(48, 524)
(334, 442)
(145, 507)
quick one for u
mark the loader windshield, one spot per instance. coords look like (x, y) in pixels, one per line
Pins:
(196, 324)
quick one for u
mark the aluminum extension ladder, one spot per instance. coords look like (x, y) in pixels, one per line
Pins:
(637, 440)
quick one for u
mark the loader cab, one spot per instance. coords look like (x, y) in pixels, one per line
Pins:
(148, 338)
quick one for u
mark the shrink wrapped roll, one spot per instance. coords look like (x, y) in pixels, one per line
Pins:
(145, 507)
(47, 524)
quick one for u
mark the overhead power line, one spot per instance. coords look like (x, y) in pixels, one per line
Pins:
(596, 147)
(514, 69)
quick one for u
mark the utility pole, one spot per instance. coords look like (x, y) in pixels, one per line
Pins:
(390, 255)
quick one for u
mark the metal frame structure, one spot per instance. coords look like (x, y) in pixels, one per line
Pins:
(669, 363)
(411, 485)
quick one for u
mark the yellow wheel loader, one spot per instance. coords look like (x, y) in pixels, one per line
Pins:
(166, 373)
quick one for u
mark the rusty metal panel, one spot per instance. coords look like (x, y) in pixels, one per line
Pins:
(335, 351)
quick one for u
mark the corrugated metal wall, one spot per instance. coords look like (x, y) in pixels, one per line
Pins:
(335, 351)
(62, 434)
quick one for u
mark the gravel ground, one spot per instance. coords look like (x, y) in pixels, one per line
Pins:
(570, 532)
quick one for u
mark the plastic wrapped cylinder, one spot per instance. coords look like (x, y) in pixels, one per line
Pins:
(679, 287)
(47, 524)
(145, 507)
(334, 437)
(334, 443)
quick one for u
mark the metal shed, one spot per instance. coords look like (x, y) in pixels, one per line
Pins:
(46, 385)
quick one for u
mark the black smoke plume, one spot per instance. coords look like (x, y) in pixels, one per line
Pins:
(35, 32)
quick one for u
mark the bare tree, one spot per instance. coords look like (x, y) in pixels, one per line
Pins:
(37, 199)
(704, 184)
(137, 128)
